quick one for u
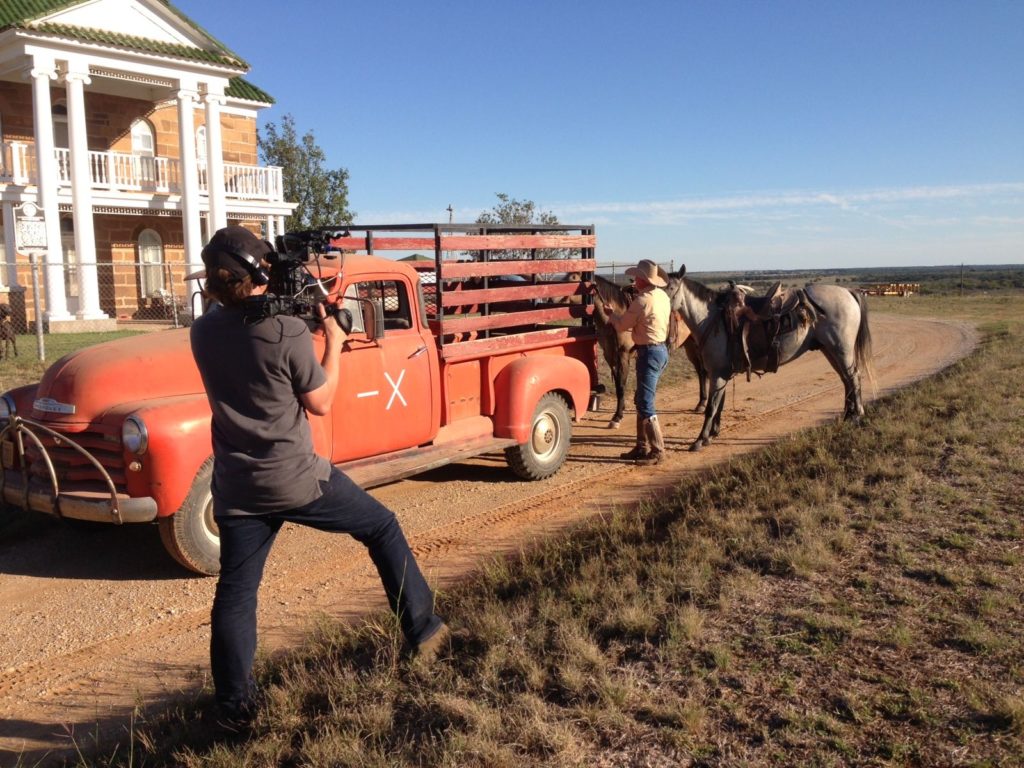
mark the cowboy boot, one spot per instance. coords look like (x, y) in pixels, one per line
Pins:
(656, 441)
(642, 447)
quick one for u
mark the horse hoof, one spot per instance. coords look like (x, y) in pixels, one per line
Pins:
(696, 445)
(613, 424)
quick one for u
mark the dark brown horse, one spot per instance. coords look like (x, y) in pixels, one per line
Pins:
(617, 347)
(8, 336)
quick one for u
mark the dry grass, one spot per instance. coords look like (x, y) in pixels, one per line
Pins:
(850, 596)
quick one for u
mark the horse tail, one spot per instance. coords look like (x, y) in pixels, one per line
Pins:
(862, 347)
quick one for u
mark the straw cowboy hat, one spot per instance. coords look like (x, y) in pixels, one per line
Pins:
(650, 271)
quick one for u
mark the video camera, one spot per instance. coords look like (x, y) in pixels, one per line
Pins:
(292, 289)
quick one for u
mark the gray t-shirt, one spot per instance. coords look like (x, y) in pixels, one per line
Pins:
(262, 446)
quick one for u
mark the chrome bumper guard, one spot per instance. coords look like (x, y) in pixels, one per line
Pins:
(109, 507)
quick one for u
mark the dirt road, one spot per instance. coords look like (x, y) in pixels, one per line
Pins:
(98, 619)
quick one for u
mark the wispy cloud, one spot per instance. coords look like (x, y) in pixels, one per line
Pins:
(788, 203)
(771, 206)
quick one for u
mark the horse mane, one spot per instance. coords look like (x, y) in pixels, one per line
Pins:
(701, 291)
(611, 293)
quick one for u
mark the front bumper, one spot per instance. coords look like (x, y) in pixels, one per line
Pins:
(20, 489)
(96, 507)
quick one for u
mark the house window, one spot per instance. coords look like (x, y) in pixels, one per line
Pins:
(60, 125)
(67, 244)
(142, 139)
(143, 163)
(151, 263)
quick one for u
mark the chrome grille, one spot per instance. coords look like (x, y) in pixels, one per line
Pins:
(74, 471)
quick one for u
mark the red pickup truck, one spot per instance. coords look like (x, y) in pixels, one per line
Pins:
(488, 345)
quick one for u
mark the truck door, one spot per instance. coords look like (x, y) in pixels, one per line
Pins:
(384, 401)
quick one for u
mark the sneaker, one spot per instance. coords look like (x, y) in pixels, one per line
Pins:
(428, 651)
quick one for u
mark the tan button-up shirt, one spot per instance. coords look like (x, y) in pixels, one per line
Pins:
(647, 317)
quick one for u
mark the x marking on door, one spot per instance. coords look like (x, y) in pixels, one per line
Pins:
(394, 389)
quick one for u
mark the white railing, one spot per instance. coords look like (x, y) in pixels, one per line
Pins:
(17, 162)
(253, 181)
(121, 171)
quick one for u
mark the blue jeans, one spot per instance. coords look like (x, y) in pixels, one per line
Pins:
(245, 542)
(650, 364)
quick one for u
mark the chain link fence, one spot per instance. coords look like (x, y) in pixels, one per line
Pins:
(98, 297)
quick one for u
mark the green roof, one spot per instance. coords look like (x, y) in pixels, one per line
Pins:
(239, 88)
(16, 13)
(22, 14)
(141, 44)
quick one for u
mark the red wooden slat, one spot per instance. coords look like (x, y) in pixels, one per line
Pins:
(510, 319)
(467, 242)
(508, 242)
(385, 243)
(534, 267)
(510, 293)
(519, 342)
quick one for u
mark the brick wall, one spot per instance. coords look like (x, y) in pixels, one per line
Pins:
(109, 120)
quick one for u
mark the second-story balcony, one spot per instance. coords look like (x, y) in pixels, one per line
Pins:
(123, 172)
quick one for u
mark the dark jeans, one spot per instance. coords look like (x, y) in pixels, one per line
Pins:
(245, 543)
(651, 360)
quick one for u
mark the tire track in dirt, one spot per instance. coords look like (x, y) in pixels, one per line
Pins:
(124, 646)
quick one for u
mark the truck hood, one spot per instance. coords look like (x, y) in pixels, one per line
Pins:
(82, 386)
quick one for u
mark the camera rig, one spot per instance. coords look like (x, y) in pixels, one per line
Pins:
(292, 288)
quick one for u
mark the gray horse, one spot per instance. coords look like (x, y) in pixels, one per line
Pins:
(773, 331)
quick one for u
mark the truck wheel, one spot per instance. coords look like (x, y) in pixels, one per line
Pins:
(190, 535)
(544, 453)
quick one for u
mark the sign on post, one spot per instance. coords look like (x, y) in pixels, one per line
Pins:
(30, 228)
(30, 239)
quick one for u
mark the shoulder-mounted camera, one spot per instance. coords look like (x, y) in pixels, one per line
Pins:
(292, 289)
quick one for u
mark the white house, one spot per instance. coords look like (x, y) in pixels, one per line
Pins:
(133, 131)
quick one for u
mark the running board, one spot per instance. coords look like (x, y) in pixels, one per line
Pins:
(389, 467)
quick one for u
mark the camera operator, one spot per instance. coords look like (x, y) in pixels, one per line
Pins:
(261, 378)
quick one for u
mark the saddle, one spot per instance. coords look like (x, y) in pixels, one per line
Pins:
(756, 325)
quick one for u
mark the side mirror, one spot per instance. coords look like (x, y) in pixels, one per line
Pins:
(373, 318)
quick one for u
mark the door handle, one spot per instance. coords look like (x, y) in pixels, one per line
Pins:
(418, 352)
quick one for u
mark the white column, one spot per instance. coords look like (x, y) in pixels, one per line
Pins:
(191, 229)
(215, 161)
(10, 245)
(271, 222)
(42, 73)
(81, 198)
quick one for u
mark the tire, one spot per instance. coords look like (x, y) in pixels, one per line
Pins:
(190, 535)
(544, 453)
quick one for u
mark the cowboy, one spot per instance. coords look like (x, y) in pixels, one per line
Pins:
(647, 318)
(262, 378)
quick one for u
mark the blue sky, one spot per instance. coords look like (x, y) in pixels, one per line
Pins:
(722, 135)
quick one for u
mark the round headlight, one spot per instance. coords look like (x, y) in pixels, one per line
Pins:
(134, 435)
(6, 407)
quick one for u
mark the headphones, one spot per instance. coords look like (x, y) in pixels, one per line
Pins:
(252, 265)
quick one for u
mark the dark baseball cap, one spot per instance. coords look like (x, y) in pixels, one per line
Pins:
(233, 247)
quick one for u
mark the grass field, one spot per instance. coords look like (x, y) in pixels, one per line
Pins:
(848, 596)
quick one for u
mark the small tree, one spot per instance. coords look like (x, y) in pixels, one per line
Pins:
(511, 212)
(515, 212)
(321, 194)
